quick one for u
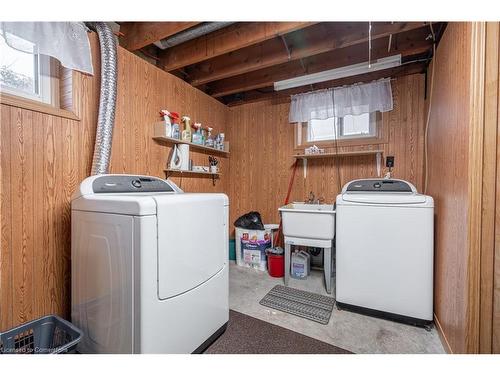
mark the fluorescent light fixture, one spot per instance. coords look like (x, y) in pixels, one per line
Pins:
(345, 71)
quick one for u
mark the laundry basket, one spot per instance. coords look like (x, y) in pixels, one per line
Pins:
(48, 335)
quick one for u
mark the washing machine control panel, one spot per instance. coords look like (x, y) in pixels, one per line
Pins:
(130, 184)
(379, 186)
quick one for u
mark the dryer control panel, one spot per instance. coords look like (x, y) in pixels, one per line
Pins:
(130, 184)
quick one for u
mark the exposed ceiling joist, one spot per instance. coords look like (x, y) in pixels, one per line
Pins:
(310, 41)
(269, 93)
(226, 40)
(409, 43)
(140, 34)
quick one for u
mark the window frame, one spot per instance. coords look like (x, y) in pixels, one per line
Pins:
(372, 125)
(301, 132)
(46, 81)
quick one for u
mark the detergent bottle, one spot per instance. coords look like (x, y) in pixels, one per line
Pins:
(186, 133)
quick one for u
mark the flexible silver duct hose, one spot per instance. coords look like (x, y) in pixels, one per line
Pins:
(189, 34)
(107, 99)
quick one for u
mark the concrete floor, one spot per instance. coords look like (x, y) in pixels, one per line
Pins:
(354, 332)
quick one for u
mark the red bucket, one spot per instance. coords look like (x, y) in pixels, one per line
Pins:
(276, 265)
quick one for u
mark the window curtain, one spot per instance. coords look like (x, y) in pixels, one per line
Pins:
(68, 42)
(342, 101)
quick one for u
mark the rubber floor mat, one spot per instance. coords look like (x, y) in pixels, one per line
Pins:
(307, 305)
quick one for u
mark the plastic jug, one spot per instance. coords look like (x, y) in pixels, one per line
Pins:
(300, 265)
(308, 260)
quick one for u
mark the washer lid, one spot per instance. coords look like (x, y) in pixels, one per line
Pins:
(385, 198)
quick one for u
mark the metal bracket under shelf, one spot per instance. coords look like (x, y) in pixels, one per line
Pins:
(171, 172)
(378, 156)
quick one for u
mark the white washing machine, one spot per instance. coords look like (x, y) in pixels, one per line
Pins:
(385, 250)
(149, 266)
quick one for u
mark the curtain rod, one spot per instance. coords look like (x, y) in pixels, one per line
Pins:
(339, 87)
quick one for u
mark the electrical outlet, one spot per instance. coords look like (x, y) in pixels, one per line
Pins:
(389, 161)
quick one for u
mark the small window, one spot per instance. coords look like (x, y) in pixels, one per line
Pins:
(28, 75)
(337, 128)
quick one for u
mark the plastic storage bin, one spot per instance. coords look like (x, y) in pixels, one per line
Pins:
(48, 335)
(232, 250)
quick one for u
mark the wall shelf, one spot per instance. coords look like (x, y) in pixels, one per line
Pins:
(338, 154)
(192, 145)
(170, 172)
(305, 157)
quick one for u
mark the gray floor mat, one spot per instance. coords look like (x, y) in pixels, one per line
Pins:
(307, 305)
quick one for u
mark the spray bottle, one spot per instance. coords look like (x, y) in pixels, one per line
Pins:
(203, 135)
(197, 134)
(168, 122)
(210, 141)
(174, 118)
(186, 133)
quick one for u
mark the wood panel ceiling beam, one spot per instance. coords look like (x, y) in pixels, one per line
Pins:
(408, 44)
(269, 93)
(317, 39)
(137, 35)
(226, 40)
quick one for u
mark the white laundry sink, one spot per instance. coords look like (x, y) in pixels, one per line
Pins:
(314, 221)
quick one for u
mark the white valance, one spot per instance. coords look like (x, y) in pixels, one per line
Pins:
(66, 41)
(342, 101)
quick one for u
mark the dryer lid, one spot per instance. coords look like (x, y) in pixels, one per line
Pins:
(124, 184)
(121, 194)
(192, 241)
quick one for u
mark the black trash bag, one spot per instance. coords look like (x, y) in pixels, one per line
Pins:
(251, 220)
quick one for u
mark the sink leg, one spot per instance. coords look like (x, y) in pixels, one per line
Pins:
(287, 262)
(327, 265)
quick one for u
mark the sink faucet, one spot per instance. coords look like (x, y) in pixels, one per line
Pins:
(310, 200)
(313, 200)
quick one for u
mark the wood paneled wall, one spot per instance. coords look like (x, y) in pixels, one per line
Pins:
(44, 157)
(489, 302)
(463, 179)
(493, 117)
(448, 180)
(464, 175)
(262, 143)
